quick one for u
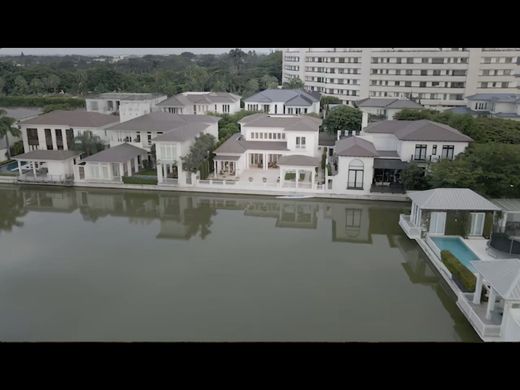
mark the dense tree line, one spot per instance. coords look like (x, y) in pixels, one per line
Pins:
(237, 72)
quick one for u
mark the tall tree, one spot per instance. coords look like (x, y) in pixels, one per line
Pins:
(293, 83)
(6, 129)
(20, 85)
(199, 152)
(88, 142)
(343, 118)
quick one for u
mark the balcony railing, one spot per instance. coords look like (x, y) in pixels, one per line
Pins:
(411, 230)
(483, 329)
(55, 179)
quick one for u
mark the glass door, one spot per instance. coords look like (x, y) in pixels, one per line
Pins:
(437, 222)
(477, 224)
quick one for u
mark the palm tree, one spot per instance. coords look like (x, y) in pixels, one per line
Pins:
(6, 128)
(88, 143)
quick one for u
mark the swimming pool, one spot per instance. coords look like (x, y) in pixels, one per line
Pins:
(459, 249)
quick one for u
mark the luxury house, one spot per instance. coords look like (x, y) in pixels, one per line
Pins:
(47, 166)
(200, 103)
(274, 147)
(373, 161)
(497, 105)
(284, 101)
(56, 130)
(375, 109)
(126, 105)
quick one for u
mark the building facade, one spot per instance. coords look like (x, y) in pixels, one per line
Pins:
(126, 105)
(496, 105)
(438, 77)
(284, 101)
(200, 103)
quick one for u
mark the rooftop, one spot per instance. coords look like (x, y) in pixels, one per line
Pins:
(236, 144)
(388, 103)
(286, 122)
(299, 160)
(120, 153)
(163, 121)
(126, 96)
(187, 98)
(509, 205)
(420, 130)
(496, 97)
(355, 147)
(75, 118)
(451, 199)
(291, 97)
(51, 155)
(502, 275)
(183, 133)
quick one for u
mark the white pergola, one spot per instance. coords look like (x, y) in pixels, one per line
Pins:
(298, 164)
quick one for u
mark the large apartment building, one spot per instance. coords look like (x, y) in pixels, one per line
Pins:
(436, 77)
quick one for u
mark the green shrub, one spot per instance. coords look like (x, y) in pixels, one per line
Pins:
(139, 180)
(290, 176)
(459, 272)
(39, 101)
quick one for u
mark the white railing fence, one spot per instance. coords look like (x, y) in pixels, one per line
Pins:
(482, 328)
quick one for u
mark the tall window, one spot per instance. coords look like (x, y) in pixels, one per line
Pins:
(48, 139)
(300, 142)
(420, 152)
(266, 107)
(355, 175)
(32, 138)
(69, 135)
(59, 139)
(434, 150)
(447, 152)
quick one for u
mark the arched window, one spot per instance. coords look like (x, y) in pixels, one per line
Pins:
(355, 175)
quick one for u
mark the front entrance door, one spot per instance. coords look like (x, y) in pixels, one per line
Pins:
(437, 222)
(477, 224)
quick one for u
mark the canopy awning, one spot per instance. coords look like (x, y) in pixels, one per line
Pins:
(389, 163)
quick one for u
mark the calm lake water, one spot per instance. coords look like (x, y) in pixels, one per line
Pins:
(107, 265)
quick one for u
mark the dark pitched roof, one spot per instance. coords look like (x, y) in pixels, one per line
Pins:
(421, 130)
(298, 159)
(163, 121)
(286, 122)
(283, 95)
(187, 98)
(355, 147)
(496, 97)
(120, 153)
(388, 103)
(236, 144)
(52, 155)
(183, 133)
(76, 118)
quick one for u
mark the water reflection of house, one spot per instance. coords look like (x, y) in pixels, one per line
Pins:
(55, 200)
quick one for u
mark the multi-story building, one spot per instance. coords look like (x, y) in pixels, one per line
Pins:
(126, 105)
(436, 77)
(200, 103)
(284, 101)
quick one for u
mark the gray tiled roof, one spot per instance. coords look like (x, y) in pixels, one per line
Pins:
(75, 118)
(120, 153)
(511, 205)
(502, 275)
(238, 145)
(187, 98)
(421, 130)
(183, 133)
(288, 123)
(19, 113)
(282, 95)
(355, 147)
(496, 97)
(162, 121)
(388, 103)
(52, 155)
(388, 154)
(298, 159)
(451, 199)
(126, 96)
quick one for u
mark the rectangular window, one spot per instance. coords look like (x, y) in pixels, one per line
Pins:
(266, 107)
(355, 179)
(434, 150)
(69, 135)
(300, 142)
(48, 139)
(261, 135)
(447, 152)
(59, 139)
(420, 152)
(270, 135)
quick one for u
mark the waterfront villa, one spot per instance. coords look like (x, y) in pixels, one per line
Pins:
(271, 148)
(496, 105)
(57, 129)
(375, 109)
(47, 166)
(506, 232)
(284, 101)
(373, 161)
(110, 165)
(200, 103)
(126, 105)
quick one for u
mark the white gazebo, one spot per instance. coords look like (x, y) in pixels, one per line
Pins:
(499, 318)
(298, 164)
(47, 166)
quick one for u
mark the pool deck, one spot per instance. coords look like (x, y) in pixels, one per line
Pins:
(478, 245)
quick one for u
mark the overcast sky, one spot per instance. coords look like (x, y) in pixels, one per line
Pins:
(120, 51)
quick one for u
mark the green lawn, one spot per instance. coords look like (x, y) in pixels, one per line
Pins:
(147, 172)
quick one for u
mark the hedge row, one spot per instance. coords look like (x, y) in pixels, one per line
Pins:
(139, 180)
(459, 272)
(40, 101)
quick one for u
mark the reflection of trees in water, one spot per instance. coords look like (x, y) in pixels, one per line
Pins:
(12, 208)
(198, 219)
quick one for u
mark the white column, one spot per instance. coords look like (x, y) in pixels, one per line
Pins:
(265, 162)
(159, 173)
(297, 177)
(136, 164)
(34, 167)
(215, 164)
(312, 177)
(19, 168)
(53, 137)
(282, 176)
(491, 303)
(478, 290)
(121, 170)
(129, 164)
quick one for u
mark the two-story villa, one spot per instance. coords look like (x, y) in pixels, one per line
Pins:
(497, 105)
(284, 101)
(376, 109)
(273, 144)
(200, 103)
(56, 130)
(373, 161)
(126, 105)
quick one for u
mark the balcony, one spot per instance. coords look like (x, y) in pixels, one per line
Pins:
(411, 230)
(392, 188)
(476, 315)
